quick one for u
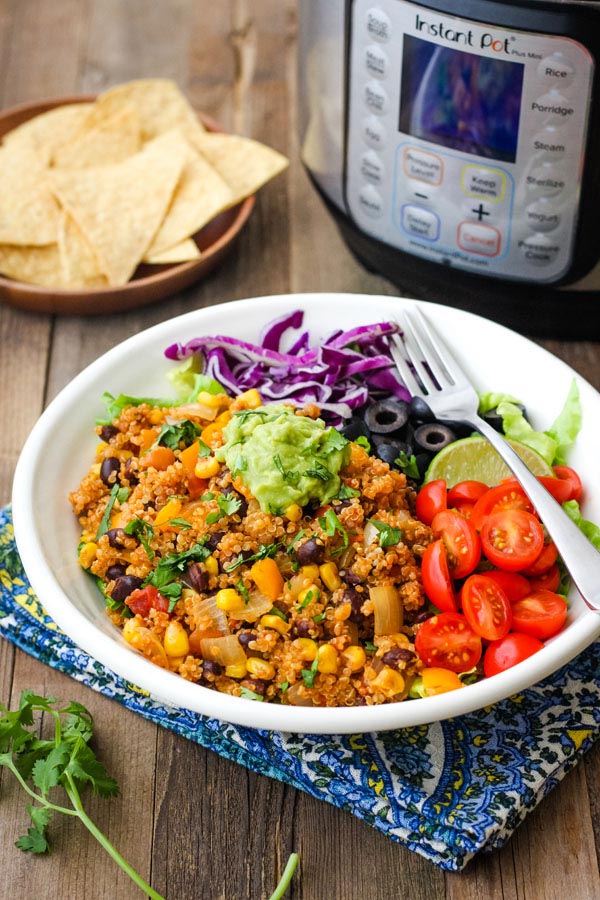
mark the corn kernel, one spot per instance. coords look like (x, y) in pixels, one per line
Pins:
(248, 400)
(260, 668)
(329, 576)
(175, 662)
(100, 448)
(213, 401)
(388, 682)
(211, 565)
(236, 671)
(310, 571)
(95, 469)
(229, 600)
(87, 554)
(354, 658)
(275, 623)
(327, 660)
(206, 467)
(293, 512)
(307, 647)
(123, 454)
(175, 640)
(156, 416)
(309, 594)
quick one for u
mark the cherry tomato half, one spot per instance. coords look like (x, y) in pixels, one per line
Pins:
(559, 488)
(515, 586)
(508, 495)
(431, 499)
(463, 545)
(508, 651)
(436, 577)
(448, 641)
(566, 473)
(545, 560)
(512, 539)
(469, 491)
(547, 581)
(485, 607)
(464, 508)
(542, 614)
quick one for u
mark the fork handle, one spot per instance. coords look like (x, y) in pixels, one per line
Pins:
(580, 557)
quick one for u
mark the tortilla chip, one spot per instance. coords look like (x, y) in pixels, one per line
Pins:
(49, 130)
(120, 207)
(159, 102)
(108, 141)
(199, 196)
(80, 266)
(29, 214)
(33, 265)
(243, 163)
(185, 251)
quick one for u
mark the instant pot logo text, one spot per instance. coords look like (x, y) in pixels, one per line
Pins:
(485, 41)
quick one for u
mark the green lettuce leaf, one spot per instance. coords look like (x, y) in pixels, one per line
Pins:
(566, 426)
(188, 380)
(590, 529)
(517, 428)
(489, 401)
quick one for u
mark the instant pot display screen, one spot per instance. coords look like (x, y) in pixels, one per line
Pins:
(460, 100)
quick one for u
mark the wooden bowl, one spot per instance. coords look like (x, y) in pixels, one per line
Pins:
(149, 283)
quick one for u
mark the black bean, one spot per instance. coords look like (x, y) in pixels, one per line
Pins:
(116, 571)
(211, 668)
(310, 552)
(420, 410)
(107, 432)
(245, 637)
(196, 577)
(130, 473)
(387, 416)
(124, 586)
(116, 537)
(301, 628)
(350, 577)
(433, 436)
(355, 599)
(110, 466)
(214, 540)
(354, 427)
(397, 655)
(255, 684)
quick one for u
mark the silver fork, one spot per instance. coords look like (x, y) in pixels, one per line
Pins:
(430, 371)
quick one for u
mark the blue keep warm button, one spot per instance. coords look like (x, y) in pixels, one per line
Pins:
(420, 222)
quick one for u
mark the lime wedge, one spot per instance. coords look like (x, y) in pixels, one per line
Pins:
(474, 458)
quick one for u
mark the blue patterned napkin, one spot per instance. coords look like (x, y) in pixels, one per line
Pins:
(446, 790)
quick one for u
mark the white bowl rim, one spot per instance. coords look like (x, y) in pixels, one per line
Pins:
(171, 689)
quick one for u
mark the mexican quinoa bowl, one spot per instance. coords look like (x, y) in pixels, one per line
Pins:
(295, 581)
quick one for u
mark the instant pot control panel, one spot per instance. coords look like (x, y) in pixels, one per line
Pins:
(465, 141)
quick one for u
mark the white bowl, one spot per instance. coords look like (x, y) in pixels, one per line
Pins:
(60, 447)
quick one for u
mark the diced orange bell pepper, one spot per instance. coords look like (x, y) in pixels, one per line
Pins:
(148, 436)
(196, 486)
(267, 578)
(198, 635)
(170, 510)
(159, 458)
(189, 457)
(439, 681)
(212, 435)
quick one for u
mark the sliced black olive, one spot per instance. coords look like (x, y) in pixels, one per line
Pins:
(354, 427)
(420, 411)
(386, 416)
(433, 436)
(422, 461)
(389, 451)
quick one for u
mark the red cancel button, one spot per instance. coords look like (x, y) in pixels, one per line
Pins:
(476, 238)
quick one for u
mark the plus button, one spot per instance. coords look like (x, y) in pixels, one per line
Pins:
(480, 212)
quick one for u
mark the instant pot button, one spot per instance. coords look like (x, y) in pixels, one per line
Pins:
(556, 71)
(539, 250)
(379, 26)
(483, 182)
(376, 98)
(371, 202)
(376, 61)
(551, 141)
(371, 167)
(542, 215)
(483, 240)
(420, 222)
(422, 166)
(545, 180)
(552, 108)
(374, 133)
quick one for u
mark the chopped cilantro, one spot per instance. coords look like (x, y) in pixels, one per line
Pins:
(319, 618)
(164, 576)
(308, 675)
(180, 523)
(347, 493)
(319, 471)
(243, 414)
(184, 432)
(144, 532)
(284, 686)
(105, 520)
(243, 590)
(408, 465)
(228, 505)
(289, 475)
(263, 552)
(388, 535)
(277, 612)
(371, 647)
(250, 695)
(330, 524)
(310, 596)
(203, 449)
(207, 496)
(333, 440)
(363, 442)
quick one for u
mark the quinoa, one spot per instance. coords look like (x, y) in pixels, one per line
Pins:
(281, 608)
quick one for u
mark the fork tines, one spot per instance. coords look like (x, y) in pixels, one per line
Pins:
(423, 362)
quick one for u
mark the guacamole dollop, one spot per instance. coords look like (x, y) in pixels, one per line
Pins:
(284, 458)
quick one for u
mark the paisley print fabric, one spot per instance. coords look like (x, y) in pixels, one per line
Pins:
(446, 791)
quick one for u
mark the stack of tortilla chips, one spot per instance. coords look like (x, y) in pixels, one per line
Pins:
(89, 191)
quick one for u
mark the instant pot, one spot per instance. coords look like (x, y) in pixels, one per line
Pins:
(457, 144)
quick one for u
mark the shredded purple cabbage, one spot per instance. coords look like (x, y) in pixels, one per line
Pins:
(340, 374)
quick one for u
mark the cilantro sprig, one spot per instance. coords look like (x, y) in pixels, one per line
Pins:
(173, 436)
(65, 765)
(144, 532)
(118, 494)
(228, 505)
(388, 535)
(165, 577)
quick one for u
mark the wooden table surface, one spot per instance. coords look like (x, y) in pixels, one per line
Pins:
(192, 823)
